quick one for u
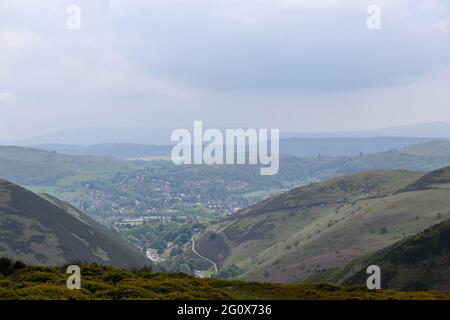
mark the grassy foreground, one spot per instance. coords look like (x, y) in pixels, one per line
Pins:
(18, 281)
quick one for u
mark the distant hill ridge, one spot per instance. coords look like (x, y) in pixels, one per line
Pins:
(429, 148)
(436, 179)
(293, 146)
(161, 136)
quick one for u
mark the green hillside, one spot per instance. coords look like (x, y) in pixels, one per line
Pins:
(18, 281)
(29, 166)
(45, 231)
(419, 263)
(323, 226)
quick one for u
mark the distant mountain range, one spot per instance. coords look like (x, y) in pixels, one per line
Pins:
(40, 229)
(155, 136)
(423, 130)
(313, 147)
(99, 135)
(298, 147)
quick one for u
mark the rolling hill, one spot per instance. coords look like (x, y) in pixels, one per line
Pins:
(31, 166)
(419, 263)
(429, 148)
(324, 226)
(45, 231)
(117, 150)
(344, 146)
(437, 179)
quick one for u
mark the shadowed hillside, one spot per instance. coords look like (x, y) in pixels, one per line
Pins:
(45, 231)
(438, 179)
(416, 264)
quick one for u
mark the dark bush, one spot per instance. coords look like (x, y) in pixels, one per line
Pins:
(8, 266)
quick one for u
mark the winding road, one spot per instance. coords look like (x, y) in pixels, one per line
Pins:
(198, 254)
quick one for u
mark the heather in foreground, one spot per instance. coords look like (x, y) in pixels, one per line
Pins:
(19, 281)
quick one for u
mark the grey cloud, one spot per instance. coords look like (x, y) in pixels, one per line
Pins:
(167, 62)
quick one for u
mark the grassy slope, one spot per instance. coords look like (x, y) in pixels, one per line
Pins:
(97, 282)
(323, 226)
(43, 230)
(419, 263)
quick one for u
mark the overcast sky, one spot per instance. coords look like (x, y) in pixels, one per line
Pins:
(296, 65)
